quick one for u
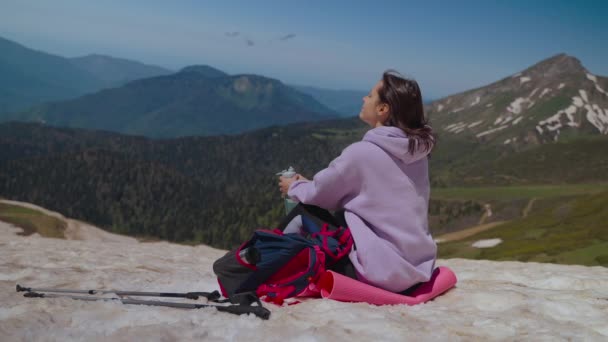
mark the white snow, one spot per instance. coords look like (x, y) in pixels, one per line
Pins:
(508, 141)
(533, 92)
(577, 101)
(489, 105)
(516, 121)
(456, 127)
(479, 135)
(553, 122)
(595, 115)
(449, 100)
(457, 110)
(583, 95)
(561, 85)
(570, 114)
(532, 103)
(477, 99)
(600, 89)
(516, 75)
(592, 77)
(439, 107)
(524, 79)
(597, 118)
(488, 243)
(498, 120)
(492, 300)
(515, 106)
(539, 129)
(544, 92)
(475, 124)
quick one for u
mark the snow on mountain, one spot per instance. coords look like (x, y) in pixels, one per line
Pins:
(555, 96)
(492, 300)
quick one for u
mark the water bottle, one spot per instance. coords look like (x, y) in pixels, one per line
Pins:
(289, 203)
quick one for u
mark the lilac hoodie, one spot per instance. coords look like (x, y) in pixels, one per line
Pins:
(385, 193)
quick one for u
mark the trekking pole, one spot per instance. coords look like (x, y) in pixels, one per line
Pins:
(212, 296)
(258, 311)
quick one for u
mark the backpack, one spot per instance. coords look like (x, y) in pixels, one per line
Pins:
(277, 266)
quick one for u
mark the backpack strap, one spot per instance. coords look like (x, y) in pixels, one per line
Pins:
(278, 288)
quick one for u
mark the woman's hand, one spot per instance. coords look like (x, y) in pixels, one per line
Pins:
(285, 183)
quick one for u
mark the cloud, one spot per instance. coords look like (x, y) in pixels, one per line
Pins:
(249, 42)
(232, 34)
(287, 37)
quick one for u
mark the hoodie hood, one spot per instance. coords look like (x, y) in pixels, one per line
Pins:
(394, 142)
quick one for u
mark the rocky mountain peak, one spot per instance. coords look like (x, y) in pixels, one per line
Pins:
(204, 70)
(551, 98)
(561, 64)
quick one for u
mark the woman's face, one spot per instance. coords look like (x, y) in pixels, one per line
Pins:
(373, 112)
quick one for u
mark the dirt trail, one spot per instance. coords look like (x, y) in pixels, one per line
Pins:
(528, 207)
(462, 234)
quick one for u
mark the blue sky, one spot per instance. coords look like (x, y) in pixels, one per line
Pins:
(448, 46)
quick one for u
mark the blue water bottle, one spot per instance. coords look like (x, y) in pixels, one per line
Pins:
(289, 203)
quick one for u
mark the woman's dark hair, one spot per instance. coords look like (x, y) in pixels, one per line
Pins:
(406, 110)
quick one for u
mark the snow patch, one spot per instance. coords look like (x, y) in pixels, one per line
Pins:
(489, 105)
(516, 75)
(457, 110)
(516, 121)
(545, 91)
(592, 77)
(508, 141)
(505, 300)
(456, 127)
(539, 130)
(491, 131)
(577, 101)
(475, 124)
(533, 92)
(524, 79)
(595, 115)
(477, 99)
(515, 106)
(439, 108)
(597, 118)
(561, 85)
(597, 86)
(532, 103)
(488, 243)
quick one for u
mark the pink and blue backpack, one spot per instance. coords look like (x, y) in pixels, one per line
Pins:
(277, 266)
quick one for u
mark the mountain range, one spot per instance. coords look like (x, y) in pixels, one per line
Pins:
(31, 77)
(197, 100)
(189, 102)
(543, 125)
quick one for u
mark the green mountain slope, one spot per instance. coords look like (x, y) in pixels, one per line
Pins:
(218, 189)
(569, 231)
(185, 103)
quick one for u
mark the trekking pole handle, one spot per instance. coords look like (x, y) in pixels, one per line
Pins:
(259, 311)
(22, 289)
